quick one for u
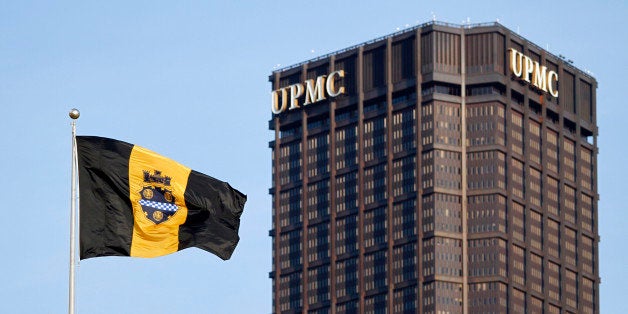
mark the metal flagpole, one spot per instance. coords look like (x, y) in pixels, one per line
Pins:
(74, 114)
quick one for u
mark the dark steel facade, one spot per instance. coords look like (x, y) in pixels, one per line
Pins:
(438, 183)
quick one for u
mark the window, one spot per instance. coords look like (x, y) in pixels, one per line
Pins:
(486, 213)
(374, 139)
(448, 255)
(290, 249)
(518, 219)
(447, 213)
(535, 221)
(290, 207)
(375, 227)
(536, 273)
(517, 179)
(318, 200)
(375, 184)
(404, 130)
(347, 235)
(375, 269)
(586, 168)
(404, 263)
(569, 157)
(404, 175)
(554, 287)
(404, 219)
(487, 257)
(347, 192)
(553, 238)
(405, 300)
(347, 277)
(346, 147)
(318, 155)
(516, 132)
(551, 150)
(534, 141)
(290, 163)
(519, 265)
(318, 284)
(290, 292)
(318, 242)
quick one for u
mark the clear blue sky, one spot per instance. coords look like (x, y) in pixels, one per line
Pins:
(189, 79)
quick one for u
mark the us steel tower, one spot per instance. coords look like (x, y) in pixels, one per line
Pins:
(441, 169)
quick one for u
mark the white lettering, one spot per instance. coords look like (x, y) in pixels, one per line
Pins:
(296, 90)
(275, 99)
(528, 68)
(552, 76)
(515, 62)
(314, 92)
(331, 84)
(539, 76)
(524, 67)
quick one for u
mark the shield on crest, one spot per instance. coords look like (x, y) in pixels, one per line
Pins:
(157, 203)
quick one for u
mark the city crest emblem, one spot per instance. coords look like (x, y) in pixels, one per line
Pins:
(158, 203)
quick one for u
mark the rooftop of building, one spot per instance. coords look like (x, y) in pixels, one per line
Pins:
(567, 63)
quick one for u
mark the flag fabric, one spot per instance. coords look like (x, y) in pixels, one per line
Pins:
(134, 202)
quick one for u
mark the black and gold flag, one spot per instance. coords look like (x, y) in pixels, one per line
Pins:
(134, 202)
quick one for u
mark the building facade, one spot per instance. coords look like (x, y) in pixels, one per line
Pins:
(441, 169)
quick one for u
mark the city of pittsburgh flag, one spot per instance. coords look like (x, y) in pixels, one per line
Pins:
(134, 202)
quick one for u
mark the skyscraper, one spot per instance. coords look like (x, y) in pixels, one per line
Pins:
(440, 169)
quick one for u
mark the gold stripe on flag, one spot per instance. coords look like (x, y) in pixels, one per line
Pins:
(157, 186)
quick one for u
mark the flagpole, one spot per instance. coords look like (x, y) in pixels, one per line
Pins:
(74, 114)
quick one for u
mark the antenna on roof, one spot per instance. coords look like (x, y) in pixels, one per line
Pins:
(433, 16)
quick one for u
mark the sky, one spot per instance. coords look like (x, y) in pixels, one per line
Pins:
(189, 80)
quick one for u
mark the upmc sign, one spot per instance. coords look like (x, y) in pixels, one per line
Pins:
(315, 91)
(533, 73)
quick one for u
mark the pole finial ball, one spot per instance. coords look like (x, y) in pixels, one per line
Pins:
(74, 113)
